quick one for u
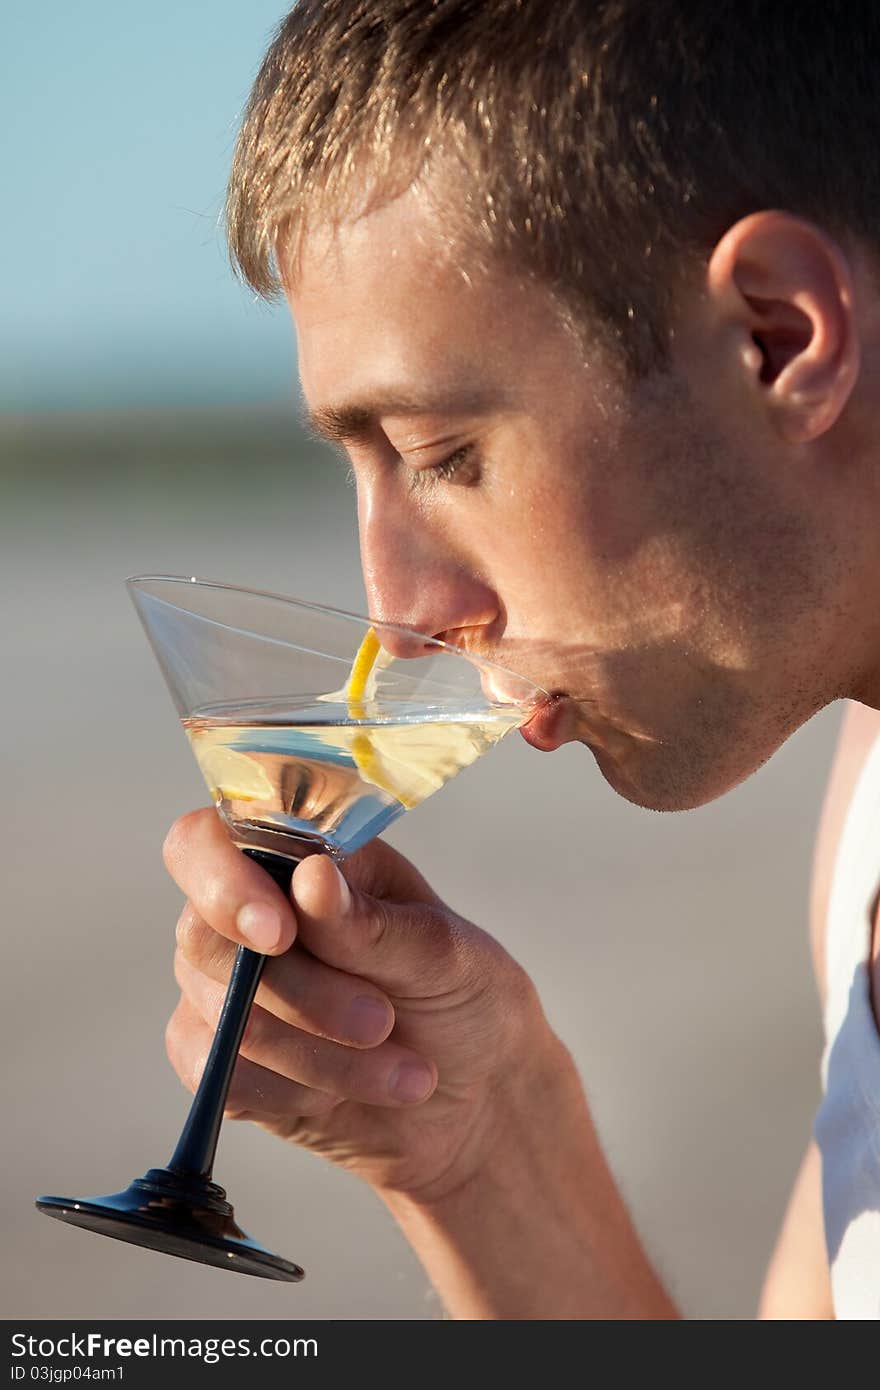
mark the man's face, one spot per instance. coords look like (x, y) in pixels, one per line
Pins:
(629, 547)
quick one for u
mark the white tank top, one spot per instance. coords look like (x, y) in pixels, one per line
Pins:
(847, 1125)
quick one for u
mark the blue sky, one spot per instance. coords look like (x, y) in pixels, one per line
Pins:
(118, 124)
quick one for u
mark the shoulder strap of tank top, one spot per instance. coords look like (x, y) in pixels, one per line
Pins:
(854, 884)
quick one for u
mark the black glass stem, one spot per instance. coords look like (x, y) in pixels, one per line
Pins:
(179, 1210)
(198, 1140)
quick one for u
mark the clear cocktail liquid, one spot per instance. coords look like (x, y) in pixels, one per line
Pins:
(280, 770)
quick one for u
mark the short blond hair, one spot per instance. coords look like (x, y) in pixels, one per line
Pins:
(601, 145)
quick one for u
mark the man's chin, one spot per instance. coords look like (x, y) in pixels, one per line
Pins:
(672, 771)
(655, 785)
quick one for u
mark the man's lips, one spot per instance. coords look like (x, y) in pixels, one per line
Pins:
(550, 725)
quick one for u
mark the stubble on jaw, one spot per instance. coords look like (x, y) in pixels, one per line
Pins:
(751, 654)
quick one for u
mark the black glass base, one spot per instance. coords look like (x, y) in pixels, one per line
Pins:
(179, 1215)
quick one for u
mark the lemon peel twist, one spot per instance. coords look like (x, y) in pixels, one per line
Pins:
(367, 760)
(361, 670)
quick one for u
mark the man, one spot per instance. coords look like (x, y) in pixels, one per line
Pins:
(588, 294)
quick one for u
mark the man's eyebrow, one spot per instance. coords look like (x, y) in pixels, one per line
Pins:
(353, 422)
(338, 424)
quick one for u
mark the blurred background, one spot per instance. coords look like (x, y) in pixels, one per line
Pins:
(148, 423)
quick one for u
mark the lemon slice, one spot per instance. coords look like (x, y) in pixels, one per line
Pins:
(362, 668)
(410, 761)
(371, 764)
(233, 776)
(360, 688)
(362, 680)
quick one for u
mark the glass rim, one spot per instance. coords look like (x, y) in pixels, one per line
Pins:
(135, 580)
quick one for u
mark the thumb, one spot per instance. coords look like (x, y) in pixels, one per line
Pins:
(382, 872)
(417, 949)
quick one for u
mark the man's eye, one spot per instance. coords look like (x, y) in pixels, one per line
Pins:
(462, 467)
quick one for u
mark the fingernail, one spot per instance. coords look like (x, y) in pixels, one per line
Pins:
(344, 894)
(260, 924)
(366, 1020)
(411, 1081)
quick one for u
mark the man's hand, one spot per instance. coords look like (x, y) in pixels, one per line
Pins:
(405, 1044)
(386, 1029)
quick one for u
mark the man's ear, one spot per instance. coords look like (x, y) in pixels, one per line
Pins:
(784, 288)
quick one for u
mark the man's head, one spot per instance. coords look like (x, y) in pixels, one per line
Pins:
(535, 238)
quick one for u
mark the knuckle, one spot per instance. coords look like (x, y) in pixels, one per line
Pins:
(187, 1059)
(254, 1034)
(198, 943)
(320, 1102)
(454, 938)
(188, 932)
(177, 842)
(239, 1101)
(317, 1066)
(348, 1073)
(179, 972)
(376, 919)
(174, 1042)
(298, 993)
(475, 960)
(452, 943)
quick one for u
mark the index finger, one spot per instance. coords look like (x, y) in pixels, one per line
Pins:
(232, 893)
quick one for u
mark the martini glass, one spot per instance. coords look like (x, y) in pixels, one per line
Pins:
(303, 753)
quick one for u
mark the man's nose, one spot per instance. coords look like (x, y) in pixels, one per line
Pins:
(414, 578)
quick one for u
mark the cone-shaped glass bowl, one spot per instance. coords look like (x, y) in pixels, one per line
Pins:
(314, 730)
